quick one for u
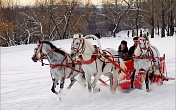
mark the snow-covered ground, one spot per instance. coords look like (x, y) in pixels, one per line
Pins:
(26, 85)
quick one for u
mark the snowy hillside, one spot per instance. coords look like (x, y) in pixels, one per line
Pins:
(26, 85)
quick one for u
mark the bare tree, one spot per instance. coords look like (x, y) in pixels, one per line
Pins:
(115, 11)
(7, 16)
(160, 12)
(64, 17)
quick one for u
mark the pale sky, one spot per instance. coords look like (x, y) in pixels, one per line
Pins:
(96, 1)
(30, 2)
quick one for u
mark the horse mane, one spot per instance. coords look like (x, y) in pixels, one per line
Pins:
(59, 50)
(157, 51)
(79, 35)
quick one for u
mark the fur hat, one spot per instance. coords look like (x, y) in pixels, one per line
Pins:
(124, 42)
(135, 38)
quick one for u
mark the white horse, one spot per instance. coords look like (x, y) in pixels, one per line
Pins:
(147, 57)
(61, 64)
(94, 63)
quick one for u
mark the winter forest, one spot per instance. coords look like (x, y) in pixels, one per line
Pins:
(60, 19)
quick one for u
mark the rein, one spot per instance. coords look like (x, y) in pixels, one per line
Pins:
(141, 57)
(67, 64)
(42, 55)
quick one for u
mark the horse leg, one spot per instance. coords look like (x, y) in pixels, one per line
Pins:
(88, 79)
(115, 73)
(132, 78)
(110, 75)
(147, 81)
(84, 80)
(62, 81)
(151, 76)
(55, 82)
(95, 82)
(72, 80)
(53, 88)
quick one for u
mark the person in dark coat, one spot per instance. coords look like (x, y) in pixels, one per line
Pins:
(140, 33)
(98, 34)
(132, 48)
(123, 50)
(128, 33)
(133, 33)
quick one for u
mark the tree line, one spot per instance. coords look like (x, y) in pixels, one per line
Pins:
(60, 19)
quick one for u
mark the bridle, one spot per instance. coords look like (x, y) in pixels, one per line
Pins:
(145, 45)
(38, 50)
(149, 54)
(81, 46)
(147, 48)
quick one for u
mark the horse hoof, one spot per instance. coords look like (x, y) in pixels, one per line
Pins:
(131, 89)
(99, 90)
(55, 92)
(139, 87)
(96, 90)
(85, 85)
(148, 90)
(151, 83)
(68, 87)
(126, 90)
(113, 92)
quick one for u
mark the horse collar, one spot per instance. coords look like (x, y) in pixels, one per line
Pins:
(89, 61)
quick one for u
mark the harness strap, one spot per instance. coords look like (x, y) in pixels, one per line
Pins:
(71, 72)
(115, 64)
(52, 66)
(64, 65)
(152, 54)
(43, 57)
(57, 65)
(96, 49)
(89, 61)
(141, 57)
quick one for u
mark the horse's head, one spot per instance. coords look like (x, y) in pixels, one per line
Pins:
(77, 46)
(41, 51)
(144, 42)
(143, 46)
(38, 54)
